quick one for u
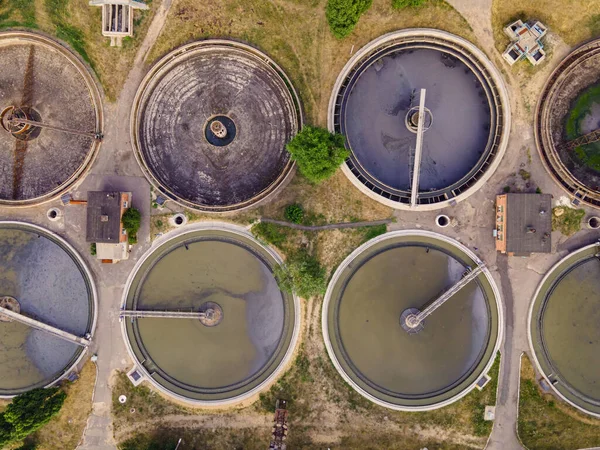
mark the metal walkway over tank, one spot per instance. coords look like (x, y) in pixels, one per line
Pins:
(412, 319)
(33, 323)
(141, 314)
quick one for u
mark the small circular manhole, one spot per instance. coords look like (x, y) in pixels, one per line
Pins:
(179, 220)
(54, 214)
(11, 304)
(442, 221)
(122, 399)
(213, 314)
(594, 223)
(132, 410)
(220, 131)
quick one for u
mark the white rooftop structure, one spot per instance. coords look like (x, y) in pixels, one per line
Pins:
(117, 18)
(526, 42)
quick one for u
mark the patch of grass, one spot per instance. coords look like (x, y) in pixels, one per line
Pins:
(270, 233)
(567, 220)
(147, 403)
(17, 13)
(372, 232)
(399, 4)
(58, 13)
(524, 174)
(545, 423)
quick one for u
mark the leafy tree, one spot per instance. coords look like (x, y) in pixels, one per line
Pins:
(302, 275)
(294, 213)
(318, 152)
(343, 15)
(132, 220)
(28, 412)
(399, 4)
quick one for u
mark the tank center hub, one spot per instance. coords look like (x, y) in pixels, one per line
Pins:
(11, 304)
(212, 314)
(20, 122)
(220, 131)
(410, 322)
(412, 119)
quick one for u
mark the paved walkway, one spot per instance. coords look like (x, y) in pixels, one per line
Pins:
(116, 166)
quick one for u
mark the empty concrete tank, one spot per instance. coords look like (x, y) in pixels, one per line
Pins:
(375, 103)
(44, 82)
(210, 124)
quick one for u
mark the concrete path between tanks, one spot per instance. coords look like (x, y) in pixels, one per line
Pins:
(112, 355)
(504, 434)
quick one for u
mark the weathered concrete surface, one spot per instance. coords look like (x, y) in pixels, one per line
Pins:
(188, 91)
(37, 76)
(375, 114)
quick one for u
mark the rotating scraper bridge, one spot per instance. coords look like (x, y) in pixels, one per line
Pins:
(578, 70)
(495, 95)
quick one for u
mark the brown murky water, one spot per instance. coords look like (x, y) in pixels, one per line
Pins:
(246, 339)
(384, 355)
(49, 287)
(571, 328)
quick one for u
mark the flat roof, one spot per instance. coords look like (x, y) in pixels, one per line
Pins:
(526, 212)
(103, 217)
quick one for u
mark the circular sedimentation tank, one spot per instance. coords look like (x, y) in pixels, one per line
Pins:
(210, 124)
(42, 277)
(372, 340)
(375, 104)
(563, 328)
(248, 328)
(567, 115)
(44, 82)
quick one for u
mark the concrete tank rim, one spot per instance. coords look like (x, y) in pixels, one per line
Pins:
(345, 264)
(134, 121)
(96, 98)
(88, 274)
(532, 304)
(275, 374)
(482, 57)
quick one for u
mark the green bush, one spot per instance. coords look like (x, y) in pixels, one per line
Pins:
(399, 4)
(318, 152)
(343, 15)
(28, 412)
(132, 220)
(93, 249)
(294, 213)
(302, 275)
